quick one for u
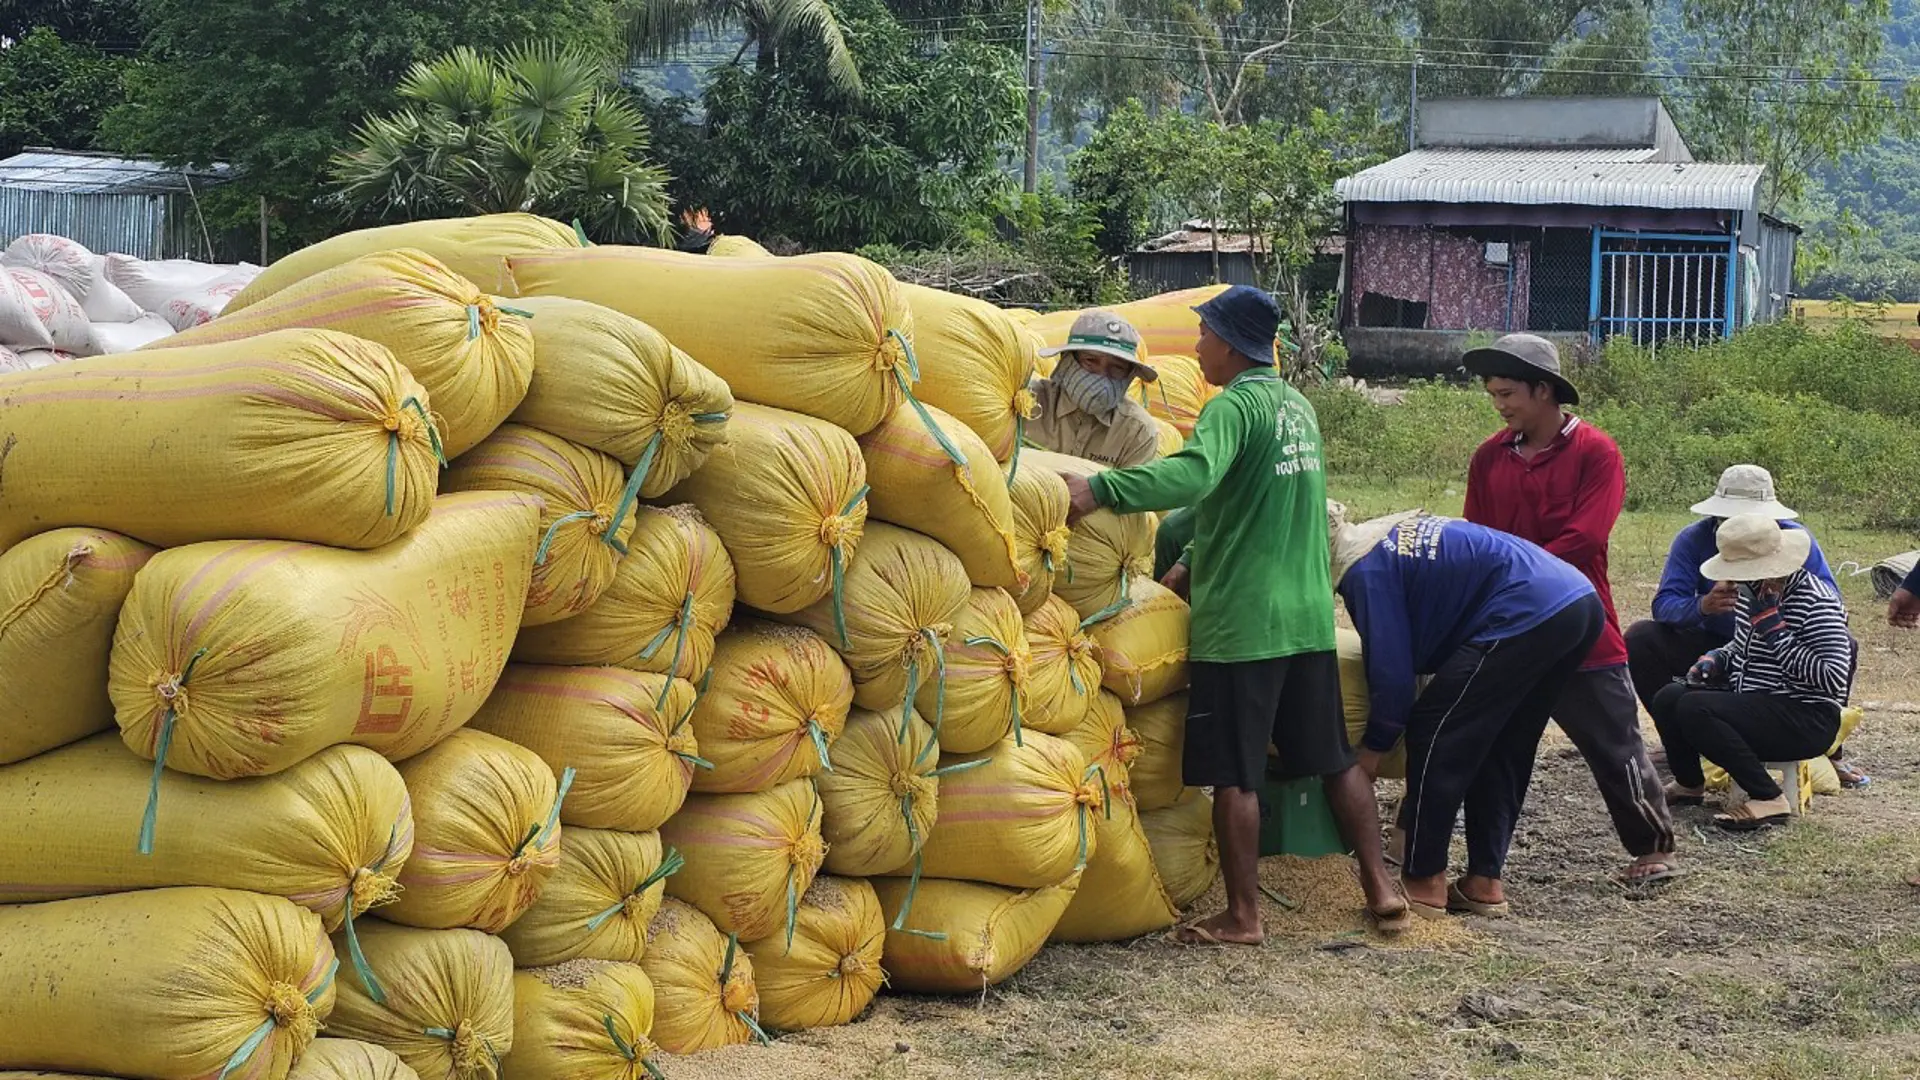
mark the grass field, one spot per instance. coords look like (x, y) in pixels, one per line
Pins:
(1795, 954)
(1888, 320)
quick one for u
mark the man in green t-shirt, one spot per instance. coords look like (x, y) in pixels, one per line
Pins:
(1262, 642)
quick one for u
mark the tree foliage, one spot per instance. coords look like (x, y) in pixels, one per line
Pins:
(55, 92)
(769, 27)
(111, 25)
(1490, 48)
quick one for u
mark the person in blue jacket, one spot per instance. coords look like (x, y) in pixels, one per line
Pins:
(1501, 625)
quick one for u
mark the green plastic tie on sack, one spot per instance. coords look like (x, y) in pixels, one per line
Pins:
(995, 645)
(913, 364)
(259, 1035)
(361, 969)
(906, 707)
(162, 744)
(906, 906)
(433, 433)
(820, 743)
(1115, 608)
(522, 312)
(620, 1044)
(683, 621)
(546, 542)
(700, 691)
(793, 877)
(753, 1025)
(580, 234)
(711, 417)
(473, 321)
(632, 493)
(838, 561)
(450, 1035)
(670, 865)
(539, 833)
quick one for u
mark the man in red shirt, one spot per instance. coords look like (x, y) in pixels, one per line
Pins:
(1558, 481)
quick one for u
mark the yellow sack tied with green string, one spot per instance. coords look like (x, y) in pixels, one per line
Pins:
(929, 473)
(581, 533)
(333, 830)
(704, 996)
(671, 593)
(775, 704)
(474, 362)
(1169, 441)
(902, 595)
(166, 984)
(612, 383)
(447, 1005)
(828, 335)
(1156, 772)
(1184, 852)
(1063, 676)
(598, 902)
(975, 364)
(1021, 819)
(1121, 895)
(350, 1059)
(788, 496)
(246, 657)
(1143, 647)
(988, 670)
(476, 248)
(974, 936)
(1356, 703)
(297, 435)
(1167, 322)
(486, 834)
(883, 795)
(1104, 549)
(623, 734)
(748, 857)
(830, 973)
(1040, 533)
(1177, 397)
(60, 599)
(736, 247)
(582, 1020)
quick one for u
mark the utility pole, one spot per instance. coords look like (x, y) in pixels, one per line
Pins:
(1030, 179)
(1413, 102)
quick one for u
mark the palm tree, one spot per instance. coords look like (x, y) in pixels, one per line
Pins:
(542, 129)
(659, 26)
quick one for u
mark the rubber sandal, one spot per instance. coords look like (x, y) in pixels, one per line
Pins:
(1666, 872)
(1749, 823)
(1427, 911)
(1851, 779)
(1461, 904)
(1398, 922)
(1207, 940)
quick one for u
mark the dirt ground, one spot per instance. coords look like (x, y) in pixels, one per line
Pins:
(1793, 954)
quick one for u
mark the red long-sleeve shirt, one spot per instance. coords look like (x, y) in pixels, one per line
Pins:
(1565, 498)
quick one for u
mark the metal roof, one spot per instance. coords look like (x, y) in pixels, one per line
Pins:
(1555, 177)
(80, 172)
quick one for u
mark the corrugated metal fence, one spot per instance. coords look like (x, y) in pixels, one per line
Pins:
(144, 226)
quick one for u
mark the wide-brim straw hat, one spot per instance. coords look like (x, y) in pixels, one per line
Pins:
(1755, 547)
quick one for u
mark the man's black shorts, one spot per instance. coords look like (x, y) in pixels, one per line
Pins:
(1234, 710)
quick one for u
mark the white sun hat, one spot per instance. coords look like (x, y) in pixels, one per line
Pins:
(1755, 547)
(1744, 489)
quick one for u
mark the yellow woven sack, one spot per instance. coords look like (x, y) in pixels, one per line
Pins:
(350, 1059)
(974, 936)
(975, 364)
(828, 335)
(1179, 394)
(1156, 772)
(334, 827)
(60, 598)
(1184, 852)
(736, 247)
(474, 247)
(1143, 647)
(598, 902)
(1120, 895)
(623, 734)
(882, 797)
(1167, 322)
(932, 475)
(902, 595)
(447, 1010)
(704, 995)
(830, 973)
(1356, 703)
(299, 435)
(580, 534)
(246, 657)
(582, 1020)
(988, 668)
(1104, 548)
(1019, 820)
(775, 705)
(486, 834)
(748, 857)
(671, 593)
(611, 382)
(1040, 533)
(1064, 675)
(1170, 441)
(474, 362)
(788, 496)
(168, 984)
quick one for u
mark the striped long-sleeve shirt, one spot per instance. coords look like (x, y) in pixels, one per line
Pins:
(1808, 659)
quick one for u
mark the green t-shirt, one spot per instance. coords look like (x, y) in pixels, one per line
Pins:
(1261, 585)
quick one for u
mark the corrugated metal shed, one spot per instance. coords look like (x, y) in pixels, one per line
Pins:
(129, 205)
(1555, 177)
(81, 172)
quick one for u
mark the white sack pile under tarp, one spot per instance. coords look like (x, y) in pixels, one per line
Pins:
(58, 300)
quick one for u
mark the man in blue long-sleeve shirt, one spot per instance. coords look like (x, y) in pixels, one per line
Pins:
(1692, 614)
(1501, 625)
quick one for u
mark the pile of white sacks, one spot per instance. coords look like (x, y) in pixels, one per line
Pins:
(58, 300)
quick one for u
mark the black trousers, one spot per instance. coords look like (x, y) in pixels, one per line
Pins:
(1473, 734)
(1658, 653)
(1739, 733)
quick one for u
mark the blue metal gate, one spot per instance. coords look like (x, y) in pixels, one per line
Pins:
(1660, 287)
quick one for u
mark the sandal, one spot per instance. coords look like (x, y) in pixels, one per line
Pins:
(1850, 777)
(1744, 818)
(1427, 911)
(1195, 936)
(1461, 904)
(1656, 873)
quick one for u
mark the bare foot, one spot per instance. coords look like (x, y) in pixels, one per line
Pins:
(1384, 899)
(1219, 930)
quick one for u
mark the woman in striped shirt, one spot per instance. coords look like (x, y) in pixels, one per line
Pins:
(1773, 693)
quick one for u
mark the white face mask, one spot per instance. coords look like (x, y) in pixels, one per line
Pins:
(1099, 395)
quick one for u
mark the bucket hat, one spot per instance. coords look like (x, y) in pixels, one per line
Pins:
(1108, 334)
(1754, 547)
(1744, 489)
(1522, 356)
(1246, 318)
